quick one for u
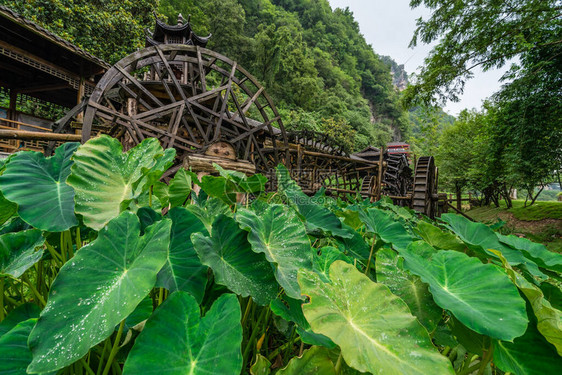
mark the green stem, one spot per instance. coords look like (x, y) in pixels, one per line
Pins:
(150, 196)
(371, 256)
(1, 298)
(114, 349)
(87, 367)
(484, 361)
(469, 370)
(255, 332)
(32, 288)
(102, 357)
(280, 349)
(62, 248)
(247, 311)
(68, 243)
(56, 257)
(291, 343)
(78, 239)
(338, 365)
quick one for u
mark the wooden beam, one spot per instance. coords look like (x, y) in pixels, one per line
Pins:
(204, 163)
(45, 87)
(26, 135)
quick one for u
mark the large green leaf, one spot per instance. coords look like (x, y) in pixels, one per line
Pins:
(244, 184)
(106, 180)
(481, 238)
(390, 272)
(209, 210)
(17, 251)
(179, 188)
(549, 319)
(176, 340)
(355, 246)
(313, 361)
(439, 238)
(219, 187)
(383, 225)
(14, 353)
(18, 315)
(183, 269)
(318, 218)
(234, 264)
(281, 236)
(96, 289)
(291, 310)
(323, 259)
(529, 354)
(7, 209)
(480, 295)
(534, 251)
(373, 327)
(38, 185)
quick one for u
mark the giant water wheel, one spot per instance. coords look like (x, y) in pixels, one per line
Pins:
(188, 97)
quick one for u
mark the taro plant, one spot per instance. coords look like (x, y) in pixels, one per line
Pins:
(106, 269)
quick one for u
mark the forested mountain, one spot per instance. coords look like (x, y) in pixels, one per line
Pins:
(313, 60)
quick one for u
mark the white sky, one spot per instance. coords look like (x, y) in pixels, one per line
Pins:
(388, 25)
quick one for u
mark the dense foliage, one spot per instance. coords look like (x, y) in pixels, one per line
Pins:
(105, 269)
(515, 140)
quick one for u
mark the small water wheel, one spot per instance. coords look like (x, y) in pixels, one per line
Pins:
(425, 187)
(397, 178)
(190, 98)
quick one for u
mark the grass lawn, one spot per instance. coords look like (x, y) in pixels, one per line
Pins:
(541, 222)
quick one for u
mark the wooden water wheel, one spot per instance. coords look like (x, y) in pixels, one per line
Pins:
(189, 98)
(397, 178)
(425, 187)
(319, 161)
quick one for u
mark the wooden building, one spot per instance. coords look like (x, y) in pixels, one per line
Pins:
(37, 65)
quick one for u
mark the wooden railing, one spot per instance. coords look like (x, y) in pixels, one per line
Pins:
(13, 145)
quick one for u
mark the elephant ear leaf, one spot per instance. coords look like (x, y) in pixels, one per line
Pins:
(373, 327)
(176, 340)
(106, 179)
(38, 186)
(315, 360)
(410, 288)
(183, 269)
(229, 254)
(13, 348)
(17, 251)
(84, 304)
(318, 218)
(383, 225)
(458, 282)
(279, 234)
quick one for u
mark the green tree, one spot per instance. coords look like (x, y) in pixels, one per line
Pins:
(485, 33)
(109, 29)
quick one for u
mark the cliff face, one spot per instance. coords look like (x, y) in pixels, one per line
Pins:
(399, 74)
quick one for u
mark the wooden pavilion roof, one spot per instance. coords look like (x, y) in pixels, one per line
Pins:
(38, 63)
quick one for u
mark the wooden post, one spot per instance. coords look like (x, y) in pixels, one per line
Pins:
(79, 96)
(379, 179)
(12, 109)
(459, 198)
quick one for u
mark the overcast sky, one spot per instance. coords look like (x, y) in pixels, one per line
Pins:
(388, 25)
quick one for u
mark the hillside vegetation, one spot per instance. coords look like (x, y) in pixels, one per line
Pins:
(313, 61)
